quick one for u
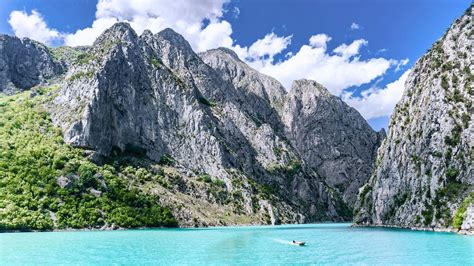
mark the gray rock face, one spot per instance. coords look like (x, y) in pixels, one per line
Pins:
(25, 63)
(468, 223)
(331, 137)
(284, 158)
(424, 168)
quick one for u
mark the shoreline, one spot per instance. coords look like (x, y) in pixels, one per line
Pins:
(429, 229)
(112, 228)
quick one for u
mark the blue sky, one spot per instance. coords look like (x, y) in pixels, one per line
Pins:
(391, 31)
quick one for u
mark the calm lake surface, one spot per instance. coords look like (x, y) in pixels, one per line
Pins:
(326, 244)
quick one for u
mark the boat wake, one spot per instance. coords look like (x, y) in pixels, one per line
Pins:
(282, 241)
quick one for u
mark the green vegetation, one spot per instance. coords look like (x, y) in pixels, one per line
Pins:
(207, 102)
(205, 178)
(47, 184)
(416, 161)
(438, 47)
(427, 214)
(80, 75)
(156, 62)
(265, 191)
(451, 174)
(455, 137)
(166, 159)
(457, 96)
(444, 82)
(448, 66)
(65, 53)
(451, 191)
(367, 188)
(465, 120)
(290, 169)
(401, 198)
(213, 181)
(85, 58)
(461, 211)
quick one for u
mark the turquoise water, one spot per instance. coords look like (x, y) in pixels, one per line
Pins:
(326, 244)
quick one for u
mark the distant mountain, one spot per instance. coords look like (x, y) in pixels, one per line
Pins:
(424, 176)
(211, 139)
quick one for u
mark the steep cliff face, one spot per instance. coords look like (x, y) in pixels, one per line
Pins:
(331, 137)
(424, 170)
(230, 145)
(25, 63)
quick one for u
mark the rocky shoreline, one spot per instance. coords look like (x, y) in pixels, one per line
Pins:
(431, 229)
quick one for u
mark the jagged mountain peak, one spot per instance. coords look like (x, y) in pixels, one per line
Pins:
(119, 32)
(309, 87)
(147, 34)
(174, 39)
(245, 78)
(225, 51)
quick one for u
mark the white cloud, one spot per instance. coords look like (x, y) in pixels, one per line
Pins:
(33, 26)
(350, 50)
(401, 64)
(377, 102)
(270, 46)
(335, 71)
(355, 26)
(236, 12)
(319, 40)
(215, 35)
(88, 35)
(186, 17)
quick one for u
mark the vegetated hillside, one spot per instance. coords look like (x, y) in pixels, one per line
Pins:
(46, 184)
(204, 136)
(424, 176)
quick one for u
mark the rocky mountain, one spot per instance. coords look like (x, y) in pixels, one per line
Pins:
(25, 63)
(331, 137)
(424, 176)
(213, 140)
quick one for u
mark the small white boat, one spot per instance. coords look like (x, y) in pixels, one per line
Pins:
(298, 243)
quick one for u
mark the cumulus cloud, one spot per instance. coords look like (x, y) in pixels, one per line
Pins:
(263, 51)
(33, 26)
(215, 35)
(376, 102)
(355, 26)
(88, 35)
(350, 50)
(337, 71)
(186, 17)
(319, 40)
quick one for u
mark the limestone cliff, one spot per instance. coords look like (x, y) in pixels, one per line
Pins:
(424, 170)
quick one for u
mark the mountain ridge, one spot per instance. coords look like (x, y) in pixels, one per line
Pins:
(210, 121)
